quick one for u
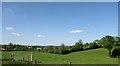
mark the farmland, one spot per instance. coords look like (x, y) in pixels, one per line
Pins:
(93, 56)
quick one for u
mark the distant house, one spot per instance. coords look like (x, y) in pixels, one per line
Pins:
(2, 49)
(38, 48)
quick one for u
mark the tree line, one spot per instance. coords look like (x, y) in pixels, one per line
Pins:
(111, 43)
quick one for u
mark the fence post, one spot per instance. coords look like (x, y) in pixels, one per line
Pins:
(118, 60)
(12, 55)
(31, 56)
(69, 63)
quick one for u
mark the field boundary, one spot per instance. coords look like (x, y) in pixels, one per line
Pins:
(60, 65)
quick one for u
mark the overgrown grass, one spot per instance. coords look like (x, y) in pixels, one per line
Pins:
(93, 56)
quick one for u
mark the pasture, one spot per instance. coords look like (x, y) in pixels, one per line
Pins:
(93, 56)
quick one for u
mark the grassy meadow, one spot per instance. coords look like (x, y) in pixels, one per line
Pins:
(93, 56)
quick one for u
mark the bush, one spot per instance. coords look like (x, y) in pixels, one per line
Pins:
(93, 45)
(115, 52)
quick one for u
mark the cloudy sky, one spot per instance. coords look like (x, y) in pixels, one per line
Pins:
(55, 23)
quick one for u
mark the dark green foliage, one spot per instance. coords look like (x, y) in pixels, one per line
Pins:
(85, 45)
(50, 49)
(62, 49)
(11, 46)
(108, 42)
(18, 48)
(116, 52)
(117, 39)
(78, 46)
(55, 50)
(15, 47)
(93, 45)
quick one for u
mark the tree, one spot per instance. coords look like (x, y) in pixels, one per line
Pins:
(49, 49)
(98, 42)
(11, 46)
(5, 47)
(78, 46)
(117, 40)
(116, 52)
(108, 43)
(69, 48)
(18, 48)
(94, 44)
(86, 45)
(62, 49)
(55, 49)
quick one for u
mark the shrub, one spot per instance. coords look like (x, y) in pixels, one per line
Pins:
(116, 52)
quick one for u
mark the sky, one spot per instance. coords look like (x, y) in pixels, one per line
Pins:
(60, 0)
(53, 23)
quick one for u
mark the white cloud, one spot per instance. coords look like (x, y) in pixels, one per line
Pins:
(9, 28)
(40, 36)
(16, 34)
(76, 31)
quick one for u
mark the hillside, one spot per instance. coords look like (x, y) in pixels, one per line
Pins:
(94, 56)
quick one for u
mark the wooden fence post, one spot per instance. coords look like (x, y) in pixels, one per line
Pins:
(31, 56)
(70, 63)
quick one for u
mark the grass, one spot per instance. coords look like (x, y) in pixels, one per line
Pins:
(93, 56)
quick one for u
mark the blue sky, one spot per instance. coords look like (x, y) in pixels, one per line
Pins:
(50, 23)
(60, 0)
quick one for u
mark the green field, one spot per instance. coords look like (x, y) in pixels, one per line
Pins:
(93, 56)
